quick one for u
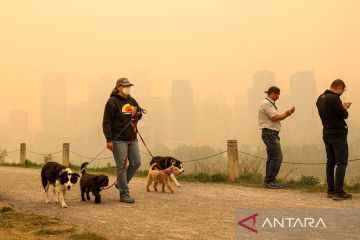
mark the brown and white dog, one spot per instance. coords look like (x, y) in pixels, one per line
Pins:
(92, 183)
(160, 176)
(166, 162)
(61, 177)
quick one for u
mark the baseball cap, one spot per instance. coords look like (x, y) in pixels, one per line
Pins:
(273, 89)
(123, 82)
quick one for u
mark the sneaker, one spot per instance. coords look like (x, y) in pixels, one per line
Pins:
(330, 194)
(280, 186)
(127, 199)
(343, 196)
(272, 185)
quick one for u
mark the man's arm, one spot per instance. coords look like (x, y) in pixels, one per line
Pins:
(341, 109)
(282, 116)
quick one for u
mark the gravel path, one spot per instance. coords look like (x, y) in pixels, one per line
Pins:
(195, 211)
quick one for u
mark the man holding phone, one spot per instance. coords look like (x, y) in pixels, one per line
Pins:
(269, 122)
(333, 114)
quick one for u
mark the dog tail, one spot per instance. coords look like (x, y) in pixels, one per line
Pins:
(83, 167)
(44, 180)
(151, 166)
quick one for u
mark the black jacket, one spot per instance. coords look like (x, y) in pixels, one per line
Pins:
(117, 115)
(332, 114)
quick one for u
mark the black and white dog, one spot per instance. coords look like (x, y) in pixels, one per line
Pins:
(166, 162)
(61, 177)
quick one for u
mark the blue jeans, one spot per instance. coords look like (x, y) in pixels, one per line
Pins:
(337, 153)
(122, 151)
(274, 154)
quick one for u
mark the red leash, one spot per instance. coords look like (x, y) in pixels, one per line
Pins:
(136, 131)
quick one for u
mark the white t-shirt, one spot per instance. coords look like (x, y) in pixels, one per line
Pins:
(266, 111)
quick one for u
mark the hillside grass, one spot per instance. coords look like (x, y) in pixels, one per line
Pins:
(249, 179)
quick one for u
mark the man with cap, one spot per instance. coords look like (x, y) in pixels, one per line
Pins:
(269, 122)
(333, 114)
(120, 110)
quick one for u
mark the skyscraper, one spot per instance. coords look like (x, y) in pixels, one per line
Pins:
(54, 104)
(19, 122)
(262, 80)
(158, 116)
(182, 111)
(303, 97)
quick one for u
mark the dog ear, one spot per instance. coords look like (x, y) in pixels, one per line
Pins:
(63, 177)
(77, 175)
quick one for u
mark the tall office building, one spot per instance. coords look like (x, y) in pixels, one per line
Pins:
(54, 104)
(303, 96)
(99, 93)
(182, 111)
(158, 117)
(262, 80)
(19, 121)
(142, 85)
(242, 118)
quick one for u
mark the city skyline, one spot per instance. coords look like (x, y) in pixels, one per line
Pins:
(199, 121)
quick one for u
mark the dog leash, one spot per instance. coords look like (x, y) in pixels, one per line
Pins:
(133, 123)
(147, 148)
(118, 176)
(144, 111)
(127, 125)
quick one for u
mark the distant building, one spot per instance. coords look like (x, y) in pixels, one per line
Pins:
(242, 119)
(142, 85)
(19, 122)
(303, 96)
(158, 112)
(99, 93)
(262, 80)
(215, 121)
(182, 111)
(54, 104)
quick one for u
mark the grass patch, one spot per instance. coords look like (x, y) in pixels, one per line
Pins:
(248, 179)
(353, 188)
(28, 164)
(86, 236)
(45, 231)
(204, 178)
(17, 225)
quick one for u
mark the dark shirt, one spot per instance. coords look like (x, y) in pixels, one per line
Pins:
(117, 115)
(332, 114)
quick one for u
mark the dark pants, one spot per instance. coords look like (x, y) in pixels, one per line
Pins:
(337, 153)
(274, 154)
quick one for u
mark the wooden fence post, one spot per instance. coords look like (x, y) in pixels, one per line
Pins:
(22, 153)
(232, 152)
(66, 154)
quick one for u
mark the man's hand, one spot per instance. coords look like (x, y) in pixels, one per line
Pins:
(290, 111)
(346, 105)
(109, 146)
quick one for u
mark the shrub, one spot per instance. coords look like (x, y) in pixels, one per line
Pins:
(309, 180)
(251, 178)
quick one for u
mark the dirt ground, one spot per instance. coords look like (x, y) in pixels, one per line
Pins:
(195, 211)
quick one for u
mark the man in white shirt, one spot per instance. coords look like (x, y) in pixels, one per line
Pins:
(269, 123)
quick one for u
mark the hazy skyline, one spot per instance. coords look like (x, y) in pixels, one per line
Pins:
(216, 45)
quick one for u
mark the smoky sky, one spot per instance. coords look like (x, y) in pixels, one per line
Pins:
(216, 45)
